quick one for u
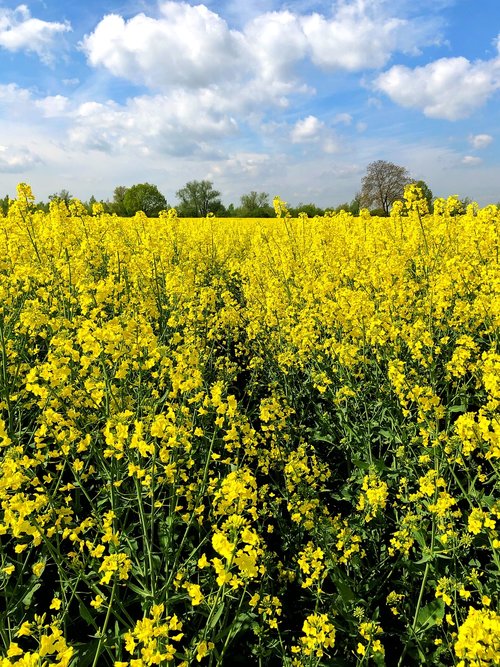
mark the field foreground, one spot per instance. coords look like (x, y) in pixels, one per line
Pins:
(249, 442)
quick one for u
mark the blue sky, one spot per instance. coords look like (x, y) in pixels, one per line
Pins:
(292, 98)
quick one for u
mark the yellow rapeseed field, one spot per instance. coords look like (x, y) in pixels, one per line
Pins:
(250, 442)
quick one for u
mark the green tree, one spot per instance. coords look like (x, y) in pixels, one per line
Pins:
(4, 205)
(88, 204)
(143, 197)
(383, 184)
(355, 204)
(199, 198)
(255, 205)
(427, 192)
(310, 209)
(62, 195)
(118, 204)
(343, 207)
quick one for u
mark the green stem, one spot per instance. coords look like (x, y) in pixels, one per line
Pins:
(105, 626)
(5, 376)
(146, 539)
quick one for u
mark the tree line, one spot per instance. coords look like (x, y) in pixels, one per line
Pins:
(382, 185)
(197, 199)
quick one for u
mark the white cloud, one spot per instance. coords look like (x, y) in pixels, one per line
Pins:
(306, 129)
(276, 41)
(16, 160)
(352, 40)
(471, 160)
(19, 31)
(11, 95)
(479, 141)
(193, 47)
(245, 165)
(343, 118)
(187, 46)
(21, 103)
(184, 122)
(311, 130)
(449, 88)
(53, 105)
(331, 145)
(204, 76)
(179, 124)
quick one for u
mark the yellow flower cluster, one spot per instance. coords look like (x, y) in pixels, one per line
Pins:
(51, 648)
(318, 636)
(208, 422)
(374, 496)
(478, 640)
(153, 639)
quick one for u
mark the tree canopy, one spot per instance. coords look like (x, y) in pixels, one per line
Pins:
(427, 192)
(118, 204)
(4, 205)
(62, 195)
(141, 197)
(383, 184)
(255, 205)
(198, 199)
(310, 209)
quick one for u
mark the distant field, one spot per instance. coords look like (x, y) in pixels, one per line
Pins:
(250, 442)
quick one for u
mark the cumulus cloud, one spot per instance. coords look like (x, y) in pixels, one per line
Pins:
(246, 165)
(307, 129)
(208, 73)
(202, 74)
(186, 46)
(184, 122)
(174, 125)
(11, 94)
(16, 160)
(275, 42)
(352, 40)
(311, 130)
(471, 161)
(449, 88)
(192, 46)
(20, 102)
(19, 31)
(479, 141)
(53, 106)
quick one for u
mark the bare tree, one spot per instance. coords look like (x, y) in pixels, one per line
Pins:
(383, 184)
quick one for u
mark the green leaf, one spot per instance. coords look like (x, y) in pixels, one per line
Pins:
(28, 598)
(345, 592)
(426, 558)
(86, 653)
(363, 465)
(216, 616)
(430, 615)
(86, 614)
